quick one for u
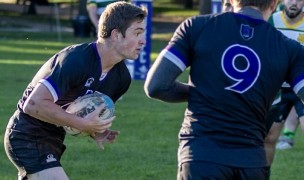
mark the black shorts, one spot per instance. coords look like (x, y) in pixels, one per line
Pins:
(33, 152)
(279, 112)
(207, 170)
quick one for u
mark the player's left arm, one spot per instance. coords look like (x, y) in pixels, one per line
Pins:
(161, 82)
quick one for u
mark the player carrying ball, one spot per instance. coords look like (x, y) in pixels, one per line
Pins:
(34, 135)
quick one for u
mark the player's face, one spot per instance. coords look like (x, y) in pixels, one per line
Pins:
(134, 40)
(293, 8)
(226, 6)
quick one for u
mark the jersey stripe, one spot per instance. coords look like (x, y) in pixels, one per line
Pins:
(299, 83)
(50, 88)
(174, 58)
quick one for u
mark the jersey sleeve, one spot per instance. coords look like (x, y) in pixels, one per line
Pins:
(296, 75)
(179, 49)
(65, 74)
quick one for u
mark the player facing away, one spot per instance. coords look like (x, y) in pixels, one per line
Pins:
(232, 83)
(34, 135)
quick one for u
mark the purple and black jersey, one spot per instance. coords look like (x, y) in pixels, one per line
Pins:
(72, 73)
(234, 77)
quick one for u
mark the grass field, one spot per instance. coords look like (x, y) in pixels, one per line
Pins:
(146, 147)
(147, 144)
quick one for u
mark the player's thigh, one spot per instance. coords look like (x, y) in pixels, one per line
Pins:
(204, 170)
(49, 174)
(31, 154)
(292, 120)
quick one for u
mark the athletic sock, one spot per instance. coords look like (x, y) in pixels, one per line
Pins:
(288, 134)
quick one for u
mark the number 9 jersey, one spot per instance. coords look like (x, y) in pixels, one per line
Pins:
(237, 65)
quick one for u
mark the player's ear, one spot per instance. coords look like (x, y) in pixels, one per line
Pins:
(274, 5)
(115, 34)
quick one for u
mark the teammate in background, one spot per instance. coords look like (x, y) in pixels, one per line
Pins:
(34, 135)
(226, 6)
(291, 23)
(232, 83)
(95, 9)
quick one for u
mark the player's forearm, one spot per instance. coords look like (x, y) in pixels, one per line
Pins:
(161, 83)
(40, 105)
(177, 92)
(48, 111)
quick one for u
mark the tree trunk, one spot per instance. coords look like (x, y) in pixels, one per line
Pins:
(205, 6)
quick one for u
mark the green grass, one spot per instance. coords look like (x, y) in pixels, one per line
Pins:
(146, 147)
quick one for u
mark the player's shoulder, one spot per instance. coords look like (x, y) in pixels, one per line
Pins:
(196, 22)
(78, 51)
(77, 55)
(201, 19)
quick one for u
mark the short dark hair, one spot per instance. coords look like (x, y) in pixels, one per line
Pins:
(261, 4)
(119, 15)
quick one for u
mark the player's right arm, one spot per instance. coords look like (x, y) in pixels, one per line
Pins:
(40, 104)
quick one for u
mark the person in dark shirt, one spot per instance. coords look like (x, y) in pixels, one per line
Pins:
(237, 63)
(35, 134)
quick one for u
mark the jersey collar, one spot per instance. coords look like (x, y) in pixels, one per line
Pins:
(251, 12)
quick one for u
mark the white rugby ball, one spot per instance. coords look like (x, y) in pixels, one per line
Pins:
(87, 104)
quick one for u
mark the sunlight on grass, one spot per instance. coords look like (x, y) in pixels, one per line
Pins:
(25, 62)
(181, 14)
(162, 36)
(54, 44)
(41, 50)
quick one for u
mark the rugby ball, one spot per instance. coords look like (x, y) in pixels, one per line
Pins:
(85, 105)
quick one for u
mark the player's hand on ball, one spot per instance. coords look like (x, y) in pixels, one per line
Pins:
(108, 136)
(95, 125)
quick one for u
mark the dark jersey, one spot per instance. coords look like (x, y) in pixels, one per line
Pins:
(235, 74)
(70, 74)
